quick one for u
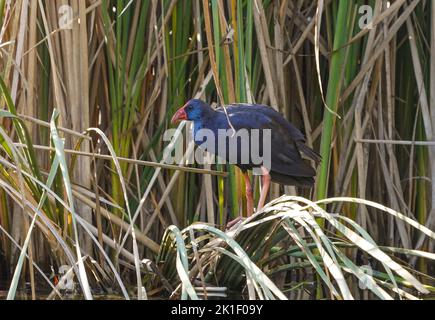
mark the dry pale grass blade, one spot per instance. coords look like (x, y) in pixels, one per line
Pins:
(418, 72)
(59, 145)
(19, 48)
(307, 125)
(317, 26)
(432, 68)
(128, 160)
(279, 57)
(226, 51)
(209, 32)
(428, 113)
(381, 207)
(31, 61)
(60, 102)
(182, 265)
(198, 261)
(431, 216)
(264, 43)
(359, 132)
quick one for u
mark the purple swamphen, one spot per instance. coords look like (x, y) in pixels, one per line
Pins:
(287, 166)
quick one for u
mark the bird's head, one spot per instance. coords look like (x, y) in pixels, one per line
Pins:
(193, 110)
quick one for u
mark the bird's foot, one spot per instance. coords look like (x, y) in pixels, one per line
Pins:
(232, 223)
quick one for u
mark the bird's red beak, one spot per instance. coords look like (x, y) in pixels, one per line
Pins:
(179, 115)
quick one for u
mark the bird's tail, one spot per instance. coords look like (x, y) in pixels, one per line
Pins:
(310, 153)
(304, 182)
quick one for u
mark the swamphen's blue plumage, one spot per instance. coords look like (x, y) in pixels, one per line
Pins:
(287, 142)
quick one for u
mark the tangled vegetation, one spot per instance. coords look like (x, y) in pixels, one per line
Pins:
(87, 89)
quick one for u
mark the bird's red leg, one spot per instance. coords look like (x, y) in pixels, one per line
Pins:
(265, 179)
(249, 195)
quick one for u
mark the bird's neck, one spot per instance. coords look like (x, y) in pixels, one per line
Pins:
(207, 119)
(197, 125)
(206, 122)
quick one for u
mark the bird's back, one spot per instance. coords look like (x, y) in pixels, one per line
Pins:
(287, 142)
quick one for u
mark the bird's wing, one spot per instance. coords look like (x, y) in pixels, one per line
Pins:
(267, 112)
(265, 117)
(285, 148)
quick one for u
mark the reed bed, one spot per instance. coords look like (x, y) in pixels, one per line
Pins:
(87, 89)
